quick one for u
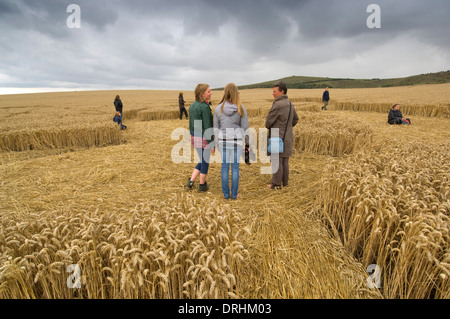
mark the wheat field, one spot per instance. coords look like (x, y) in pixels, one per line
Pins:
(78, 192)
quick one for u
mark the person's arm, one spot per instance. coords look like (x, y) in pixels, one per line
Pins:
(295, 119)
(216, 125)
(207, 121)
(245, 126)
(272, 117)
(390, 117)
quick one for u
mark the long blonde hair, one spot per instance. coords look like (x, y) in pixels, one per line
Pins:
(231, 94)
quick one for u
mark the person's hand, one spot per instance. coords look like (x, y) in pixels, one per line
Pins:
(213, 150)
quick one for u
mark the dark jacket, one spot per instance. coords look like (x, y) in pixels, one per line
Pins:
(395, 117)
(181, 102)
(326, 96)
(118, 105)
(201, 112)
(278, 117)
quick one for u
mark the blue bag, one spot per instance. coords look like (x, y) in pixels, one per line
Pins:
(276, 144)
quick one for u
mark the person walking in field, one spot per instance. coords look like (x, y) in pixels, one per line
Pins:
(395, 117)
(282, 116)
(181, 106)
(230, 126)
(202, 134)
(325, 99)
(119, 107)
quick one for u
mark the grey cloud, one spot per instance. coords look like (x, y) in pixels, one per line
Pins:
(49, 17)
(8, 7)
(149, 42)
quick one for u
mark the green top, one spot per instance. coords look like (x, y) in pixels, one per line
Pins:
(201, 111)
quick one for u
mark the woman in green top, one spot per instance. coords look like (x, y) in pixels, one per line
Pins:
(202, 134)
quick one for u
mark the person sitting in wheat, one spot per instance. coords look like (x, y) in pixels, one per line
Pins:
(396, 117)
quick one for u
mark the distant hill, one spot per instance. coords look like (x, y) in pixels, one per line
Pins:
(307, 82)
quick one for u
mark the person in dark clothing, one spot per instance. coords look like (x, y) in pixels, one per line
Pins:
(118, 104)
(201, 126)
(396, 117)
(181, 105)
(119, 107)
(325, 99)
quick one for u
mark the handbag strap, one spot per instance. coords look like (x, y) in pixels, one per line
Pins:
(287, 123)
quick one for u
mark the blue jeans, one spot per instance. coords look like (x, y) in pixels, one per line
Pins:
(204, 155)
(231, 154)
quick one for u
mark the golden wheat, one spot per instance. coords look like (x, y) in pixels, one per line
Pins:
(83, 136)
(392, 209)
(183, 248)
(90, 207)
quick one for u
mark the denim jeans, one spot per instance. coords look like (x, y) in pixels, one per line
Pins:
(231, 155)
(204, 155)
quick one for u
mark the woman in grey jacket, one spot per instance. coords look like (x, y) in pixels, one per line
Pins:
(231, 129)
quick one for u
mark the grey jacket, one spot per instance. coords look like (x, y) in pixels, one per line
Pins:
(230, 126)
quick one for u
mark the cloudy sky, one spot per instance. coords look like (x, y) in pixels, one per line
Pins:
(175, 44)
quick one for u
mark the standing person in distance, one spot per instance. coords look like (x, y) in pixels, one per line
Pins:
(283, 117)
(202, 137)
(181, 106)
(230, 125)
(325, 99)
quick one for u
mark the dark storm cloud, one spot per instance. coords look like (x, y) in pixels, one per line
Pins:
(174, 43)
(49, 16)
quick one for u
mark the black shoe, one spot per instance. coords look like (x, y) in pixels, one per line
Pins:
(189, 184)
(203, 188)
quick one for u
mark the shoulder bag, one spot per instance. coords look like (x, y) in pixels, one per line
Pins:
(276, 144)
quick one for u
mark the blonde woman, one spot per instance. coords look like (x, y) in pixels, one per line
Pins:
(202, 137)
(230, 126)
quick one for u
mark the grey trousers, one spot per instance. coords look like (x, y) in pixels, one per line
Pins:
(281, 176)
